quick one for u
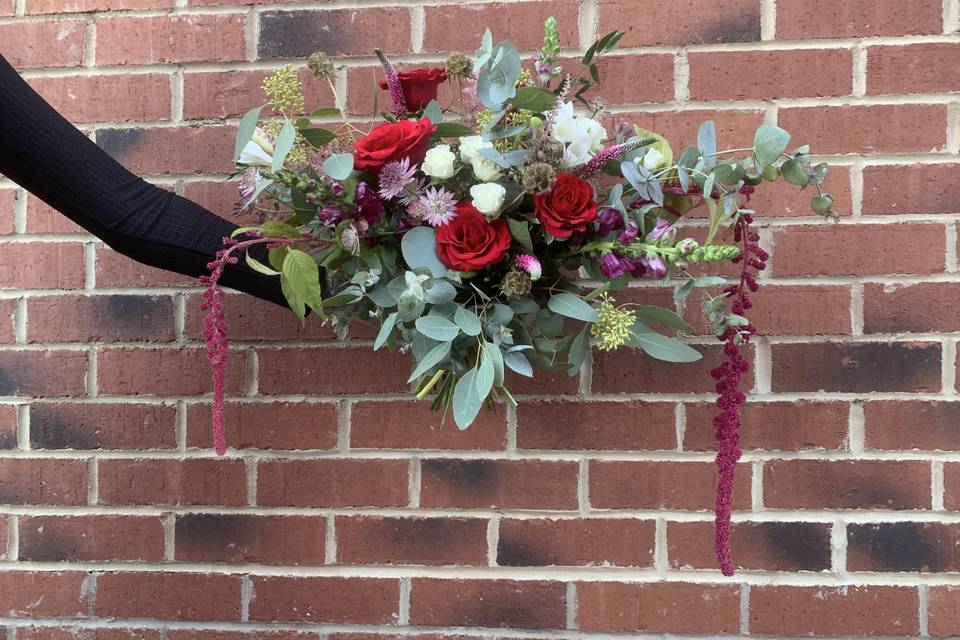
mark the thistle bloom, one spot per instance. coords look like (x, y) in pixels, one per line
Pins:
(530, 264)
(435, 207)
(394, 178)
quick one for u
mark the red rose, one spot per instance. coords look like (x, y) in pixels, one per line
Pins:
(568, 207)
(419, 86)
(469, 242)
(392, 142)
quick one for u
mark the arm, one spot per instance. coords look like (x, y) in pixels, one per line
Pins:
(49, 157)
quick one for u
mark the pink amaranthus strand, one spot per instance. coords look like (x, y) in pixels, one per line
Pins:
(612, 152)
(397, 100)
(215, 326)
(728, 377)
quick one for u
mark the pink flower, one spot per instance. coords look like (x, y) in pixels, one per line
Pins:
(530, 264)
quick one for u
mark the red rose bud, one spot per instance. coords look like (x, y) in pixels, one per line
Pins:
(419, 86)
(568, 207)
(392, 142)
(469, 242)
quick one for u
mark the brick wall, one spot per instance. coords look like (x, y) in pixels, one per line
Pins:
(342, 512)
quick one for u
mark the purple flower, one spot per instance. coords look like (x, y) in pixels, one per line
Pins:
(367, 205)
(330, 215)
(610, 220)
(655, 266)
(661, 230)
(394, 177)
(629, 234)
(435, 207)
(337, 189)
(614, 266)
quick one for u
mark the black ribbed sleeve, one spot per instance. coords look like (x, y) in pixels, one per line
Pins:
(50, 158)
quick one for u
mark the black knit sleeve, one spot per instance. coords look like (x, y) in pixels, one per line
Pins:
(49, 157)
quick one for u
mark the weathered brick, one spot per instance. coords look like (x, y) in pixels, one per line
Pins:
(243, 539)
(164, 372)
(593, 542)
(412, 425)
(43, 44)
(102, 426)
(333, 370)
(633, 371)
(117, 270)
(857, 367)
(740, 75)
(951, 486)
(43, 373)
(763, 546)
(665, 607)
(84, 6)
(684, 486)
(903, 546)
(799, 19)
(847, 484)
(773, 426)
(336, 600)
(169, 596)
(8, 310)
(101, 538)
(161, 151)
(921, 189)
(596, 426)
(784, 310)
(332, 483)
(230, 94)
(109, 98)
(418, 541)
(782, 199)
(679, 22)
(75, 633)
(523, 604)
(159, 39)
(735, 127)
(43, 594)
(8, 202)
(273, 425)
(8, 428)
(915, 68)
(254, 319)
(297, 34)
(42, 218)
(115, 318)
(459, 27)
(42, 265)
(943, 611)
(189, 482)
(921, 307)
(27, 481)
(901, 425)
(498, 484)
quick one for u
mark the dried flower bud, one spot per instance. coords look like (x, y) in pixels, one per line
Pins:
(538, 178)
(320, 64)
(516, 284)
(459, 65)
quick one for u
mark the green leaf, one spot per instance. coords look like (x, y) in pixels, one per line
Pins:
(419, 248)
(571, 306)
(683, 292)
(440, 291)
(768, 143)
(519, 363)
(468, 321)
(496, 359)
(277, 229)
(578, 352)
(660, 145)
(524, 305)
(704, 282)
(453, 130)
(520, 230)
(437, 327)
(729, 172)
(288, 136)
(794, 173)
(245, 130)
(256, 265)
(822, 204)
(660, 346)
(434, 357)
(380, 295)
(318, 137)
(324, 112)
(533, 99)
(385, 330)
(649, 313)
(434, 112)
(471, 390)
(707, 143)
(339, 166)
(303, 278)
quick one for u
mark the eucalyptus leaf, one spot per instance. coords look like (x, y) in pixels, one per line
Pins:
(437, 327)
(517, 362)
(533, 99)
(649, 313)
(768, 143)
(339, 166)
(245, 130)
(285, 141)
(434, 112)
(318, 137)
(385, 330)
(381, 296)
(419, 248)
(571, 306)
(794, 173)
(707, 143)
(440, 292)
(578, 352)
(434, 357)
(471, 391)
(468, 321)
(524, 305)
(453, 130)
(660, 346)
(520, 230)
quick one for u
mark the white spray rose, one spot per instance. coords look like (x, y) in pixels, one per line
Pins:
(470, 147)
(256, 153)
(439, 162)
(651, 160)
(584, 134)
(485, 170)
(488, 199)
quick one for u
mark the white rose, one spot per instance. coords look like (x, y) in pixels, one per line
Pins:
(488, 198)
(439, 162)
(485, 170)
(578, 152)
(255, 152)
(570, 127)
(470, 146)
(651, 160)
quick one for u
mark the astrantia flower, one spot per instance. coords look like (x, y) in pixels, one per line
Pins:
(529, 264)
(247, 187)
(394, 177)
(435, 207)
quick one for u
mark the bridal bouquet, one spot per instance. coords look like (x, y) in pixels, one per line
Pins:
(494, 233)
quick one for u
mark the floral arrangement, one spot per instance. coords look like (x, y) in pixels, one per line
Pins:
(494, 235)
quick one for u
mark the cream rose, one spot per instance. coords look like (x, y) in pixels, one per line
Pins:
(438, 162)
(488, 199)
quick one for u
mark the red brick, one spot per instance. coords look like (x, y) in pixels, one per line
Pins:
(7, 310)
(30, 45)
(633, 371)
(596, 426)
(525, 604)
(43, 594)
(419, 541)
(332, 483)
(270, 426)
(665, 607)
(633, 79)
(951, 482)
(102, 426)
(8, 202)
(91, 539)
(902, 425)
(782, 199)
(498, 484)
(920, 189)
(799, 19)
(297, 34)
(737, 75)
(459, 27)
(847, 484)
(581, 542)
(43, 373)
(735, 127)
(319, 600)
(543, 383)
(42, 265)
(161, 151)
(412, 425)
(903, 546)
(117, 270)
(400, 636)
(242, 539)
(773, 426)
(74, 633)
(857, 368)
(42, 218)
(921, 307)
(230, 94)
(185, 634)
(84, 6)
(873, 249)
(333, 371)
(833, 611)
(110, 98)
(26, 481)
(763, 546)
(679, 22)
(915, 68)
(169, 596)
(254, 319)
(868, 129)
(173, 482)
(685, 486)
(164, 372)
(8, 428)
(116, 318)
(784, 310)
(943, 611)
(189, 38)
